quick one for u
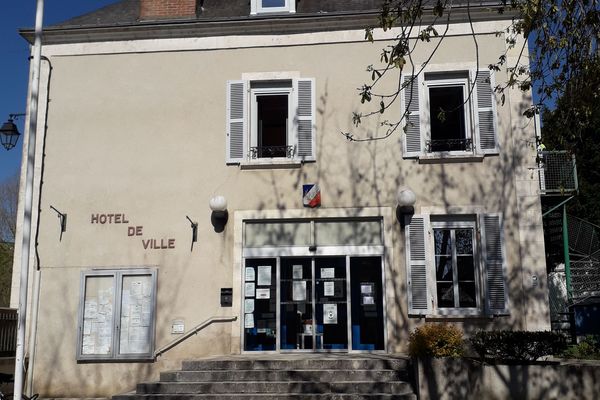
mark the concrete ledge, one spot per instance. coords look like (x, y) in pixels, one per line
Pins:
(470, 379)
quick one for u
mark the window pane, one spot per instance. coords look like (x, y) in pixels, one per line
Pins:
(273, 3)
(464, 241)
(272, 114)
(98, 316)
(466, 268)
(445, 295)
(443, 244)
(443, 268)
(136, 314)
(467, 294)
(447, 118)
(350, 233)
(277, 234)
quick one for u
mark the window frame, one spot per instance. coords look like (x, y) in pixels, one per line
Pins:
(253, 121)
(117, 276)
(456, 224)
(468, 111)
(256, 7)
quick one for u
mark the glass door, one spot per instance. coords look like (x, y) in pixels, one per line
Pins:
(296, 304)
(331, 304)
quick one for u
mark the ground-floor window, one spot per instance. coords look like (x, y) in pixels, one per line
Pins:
(116, 314)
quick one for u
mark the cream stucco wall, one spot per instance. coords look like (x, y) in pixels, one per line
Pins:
(142, 133)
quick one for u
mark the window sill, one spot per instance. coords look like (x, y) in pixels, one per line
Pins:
(271, 163)
(463, 316)
(450, 157)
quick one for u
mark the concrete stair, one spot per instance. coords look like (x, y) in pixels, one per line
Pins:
(343, 377)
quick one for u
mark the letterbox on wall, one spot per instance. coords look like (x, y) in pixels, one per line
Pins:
(226, 295)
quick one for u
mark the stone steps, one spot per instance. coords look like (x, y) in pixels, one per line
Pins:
(341, 377)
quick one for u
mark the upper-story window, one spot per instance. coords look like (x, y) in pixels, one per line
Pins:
(450, 114)
(270, 121)
(270, 6)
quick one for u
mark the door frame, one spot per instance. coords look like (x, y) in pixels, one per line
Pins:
(296, 252)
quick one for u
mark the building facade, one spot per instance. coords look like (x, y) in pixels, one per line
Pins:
(198, 152)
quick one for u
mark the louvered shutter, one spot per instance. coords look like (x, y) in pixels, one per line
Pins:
(493, 260)
(413, 144)
(485, 118)
(416, 261)
(305, 119)
(237, 129)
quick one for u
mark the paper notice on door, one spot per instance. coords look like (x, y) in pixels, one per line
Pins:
(299, 291)
(264, 275)
(327, 273)
(249, 289)
(330, 314)
(366, 288)
(249, 321)
(250, 274)
(297, 272)
(249, 306)
(263, 293)
(328, 289)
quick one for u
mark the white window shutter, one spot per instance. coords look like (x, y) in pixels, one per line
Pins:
(237, 121)
(419, 302)
(485, 112)
(305, 119)
(413, 140)
(494, 266)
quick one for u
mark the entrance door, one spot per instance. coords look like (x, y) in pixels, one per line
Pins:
(314, 304)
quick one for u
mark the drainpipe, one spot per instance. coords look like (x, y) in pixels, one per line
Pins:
(28, 203)
(566, 253)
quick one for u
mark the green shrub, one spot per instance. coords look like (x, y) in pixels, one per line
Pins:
(517, 345)
(587, 349)
(436, 340)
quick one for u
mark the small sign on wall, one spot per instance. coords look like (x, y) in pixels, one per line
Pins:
(311, 195)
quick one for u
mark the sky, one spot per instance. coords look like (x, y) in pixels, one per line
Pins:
(14, 63)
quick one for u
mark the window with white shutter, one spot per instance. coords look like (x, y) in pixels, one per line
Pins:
(454, 270)
(270, 121)
(449, 113)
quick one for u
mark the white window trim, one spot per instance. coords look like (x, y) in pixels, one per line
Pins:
(477, 263)
(291, 135)
(468, 110)
(256, 7)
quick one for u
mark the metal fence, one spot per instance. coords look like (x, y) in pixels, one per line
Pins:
(558, 173)
(8, 332)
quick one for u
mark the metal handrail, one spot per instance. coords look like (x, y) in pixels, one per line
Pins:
(194, 331)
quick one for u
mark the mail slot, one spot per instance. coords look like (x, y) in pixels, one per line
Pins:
(226, 297)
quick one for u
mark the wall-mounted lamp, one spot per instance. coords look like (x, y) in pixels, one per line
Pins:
(9, 134)
(220, 215)
(406, 199)
(62, 217)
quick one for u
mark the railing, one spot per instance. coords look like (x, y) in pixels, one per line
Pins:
(8, 332)
(437, 145)
(272, 151)
(558, 173)
(188, 334)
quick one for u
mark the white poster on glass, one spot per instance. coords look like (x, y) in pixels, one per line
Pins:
(249, 306)
(249, 289)
(250, 274)
(328, 289)
(249, 321)
(264, 275)
(330, 314)
(263, 293)
(327, 273)
(299, 291)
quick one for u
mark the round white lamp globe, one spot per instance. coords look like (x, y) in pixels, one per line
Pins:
(218, 204)
(406, 197)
